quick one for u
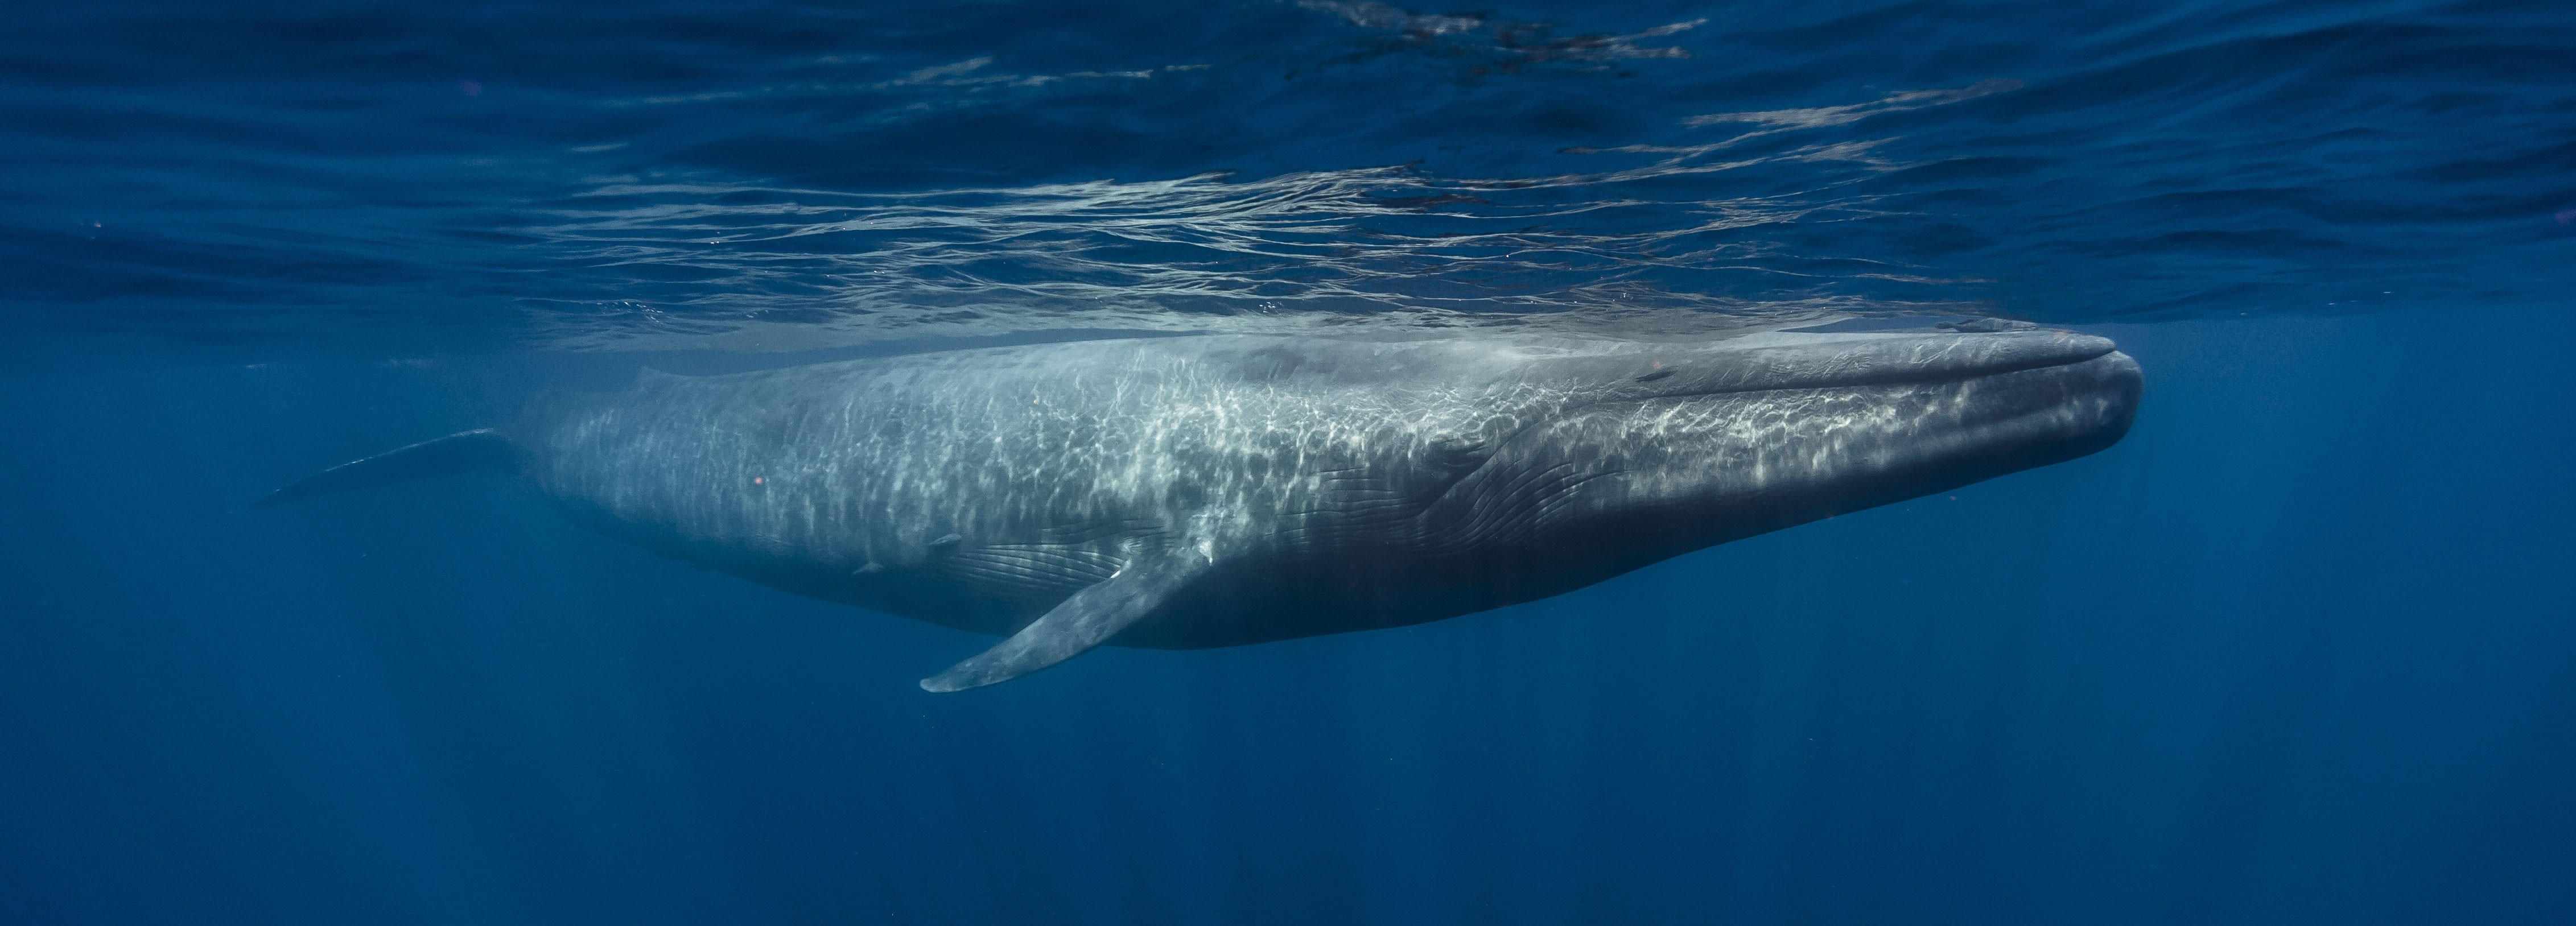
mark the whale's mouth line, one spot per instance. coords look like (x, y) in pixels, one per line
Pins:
(1880, 378)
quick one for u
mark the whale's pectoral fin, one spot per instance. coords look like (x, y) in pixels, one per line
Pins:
(1086, 620)
(462, 452)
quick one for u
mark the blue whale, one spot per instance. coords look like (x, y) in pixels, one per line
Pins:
(1230, 489)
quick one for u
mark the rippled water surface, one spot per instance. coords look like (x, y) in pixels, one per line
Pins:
(2297, 650)
(284, 178)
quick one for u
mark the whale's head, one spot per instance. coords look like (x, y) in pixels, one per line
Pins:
(1650, 450)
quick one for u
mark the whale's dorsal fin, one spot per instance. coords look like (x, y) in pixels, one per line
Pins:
(1086, 620)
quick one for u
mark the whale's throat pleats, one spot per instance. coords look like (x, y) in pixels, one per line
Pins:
(1031, 574)
(1086, 620)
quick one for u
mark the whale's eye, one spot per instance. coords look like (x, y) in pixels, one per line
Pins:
(1651, 377)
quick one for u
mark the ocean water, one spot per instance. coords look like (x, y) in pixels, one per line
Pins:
(2299, 649)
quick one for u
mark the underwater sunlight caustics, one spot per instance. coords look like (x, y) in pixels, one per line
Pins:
(1228, 489)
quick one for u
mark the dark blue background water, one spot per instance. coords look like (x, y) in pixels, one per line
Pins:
(2299, 650)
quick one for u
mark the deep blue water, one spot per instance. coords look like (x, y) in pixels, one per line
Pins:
(2300, 649)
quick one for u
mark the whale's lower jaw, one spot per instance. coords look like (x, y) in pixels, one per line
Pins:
(1629, 484)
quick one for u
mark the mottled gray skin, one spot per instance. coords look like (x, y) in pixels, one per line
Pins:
(1279, 487)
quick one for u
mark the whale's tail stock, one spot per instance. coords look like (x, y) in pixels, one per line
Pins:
(462, 452)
